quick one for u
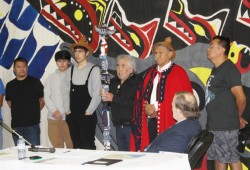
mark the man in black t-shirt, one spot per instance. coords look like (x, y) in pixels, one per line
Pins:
(225, 103)
(24, 95)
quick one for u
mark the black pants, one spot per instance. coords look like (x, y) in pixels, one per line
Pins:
(152, 129)
(82, 130)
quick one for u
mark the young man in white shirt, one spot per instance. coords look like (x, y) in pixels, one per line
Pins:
(58, 130)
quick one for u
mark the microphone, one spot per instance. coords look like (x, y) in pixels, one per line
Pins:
(33, 147)
(36, 149)
(13, 131)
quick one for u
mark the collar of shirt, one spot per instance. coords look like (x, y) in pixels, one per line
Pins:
(153, 98)
(164, 67)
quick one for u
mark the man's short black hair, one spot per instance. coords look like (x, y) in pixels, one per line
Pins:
(62, 55)
(81, 47)
(224, 42)
(20, 59)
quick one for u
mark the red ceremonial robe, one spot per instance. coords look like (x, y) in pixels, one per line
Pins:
(174, 79)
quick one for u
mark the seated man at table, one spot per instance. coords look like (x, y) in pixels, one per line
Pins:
(177, 137)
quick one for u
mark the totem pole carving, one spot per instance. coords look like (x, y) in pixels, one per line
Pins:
(104, 31)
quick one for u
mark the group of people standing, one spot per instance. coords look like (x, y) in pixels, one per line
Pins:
(156, 112)
(70, 95)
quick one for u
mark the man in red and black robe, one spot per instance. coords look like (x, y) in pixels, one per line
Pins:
(152, 112)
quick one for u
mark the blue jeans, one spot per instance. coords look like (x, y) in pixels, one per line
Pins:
(123, 137)
(30, 133)
(1, 137)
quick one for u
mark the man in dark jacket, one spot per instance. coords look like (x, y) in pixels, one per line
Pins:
(177, 137)
(121, 97)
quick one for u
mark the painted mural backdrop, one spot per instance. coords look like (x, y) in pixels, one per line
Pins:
(36, 29)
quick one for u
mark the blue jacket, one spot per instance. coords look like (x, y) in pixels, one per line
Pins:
(176, 138)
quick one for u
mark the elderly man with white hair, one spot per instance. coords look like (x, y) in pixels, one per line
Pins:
(121, 97)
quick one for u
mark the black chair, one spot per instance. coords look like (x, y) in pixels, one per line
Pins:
(198, 146)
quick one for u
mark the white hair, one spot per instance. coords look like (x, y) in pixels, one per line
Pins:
(131, 60)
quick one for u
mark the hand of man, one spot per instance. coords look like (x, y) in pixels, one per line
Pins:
(57, 115)
(243, 123)
(102, 92)
(106, 96)
(150, 110)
